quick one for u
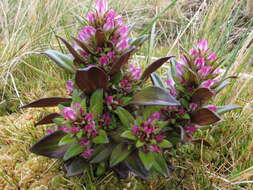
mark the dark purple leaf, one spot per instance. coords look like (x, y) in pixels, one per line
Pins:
(78, 58)
(48, 145)
(47, 119)
(202, 94)
(100, 38)
(154, 96)
(91, 78)
(76, 166)
(134, 164)
(121, 170)
(121, 61)
(82, 45)
(154, 66)
(204, 116)
(47, 102)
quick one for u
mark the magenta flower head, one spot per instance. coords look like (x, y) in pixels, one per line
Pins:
(122, 31)
(135, 130)
(70, 87)
(87, 153)
(103, 60)
(190, 129)
(202, 46)
(155, 148)
(91, 18)
(193, 52)
(109, 25)
(89, 117)
(159, 138)
(204, 71)
(193, 106)
(135, 72)
(69, 114)
(212, 57)
(111, 15)
(86, 34)
(212, 108)
(109, 100)
(183, 60)
(101, 7)
(199, 62)
(208, 83)
(89, 127)
(122, 44)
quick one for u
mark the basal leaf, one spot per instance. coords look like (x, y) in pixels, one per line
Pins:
(125, 117)
(119, 153)
(96, 102)
(160, 164)
(101, 138)
(47, 119)
(76, 166)
(204, 116)
(147, 159)
(47, 102)
(67, 139)
(74, 150)
(103, 154)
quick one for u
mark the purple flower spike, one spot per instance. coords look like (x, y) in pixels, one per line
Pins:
(202, 46)
(190, 129)
(101, 7)
(87, 153)
(155, 148)
(212, 108)
(91, 18)
(69, 114)
(212, 57)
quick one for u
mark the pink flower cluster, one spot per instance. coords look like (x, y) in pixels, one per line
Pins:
(149, 133)
(109, 25)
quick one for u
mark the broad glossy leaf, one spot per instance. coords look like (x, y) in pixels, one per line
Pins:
(135, 165)
(125, 117)
(91, 78)
(78, 58)
(227, 108)
(146, 158)
(160, 165)
(101, 138)
(47, 102)
(62, 60)
(202, 94)
(154, 66)
(74, 150)
(76, 166)
(48, 145)
(121, 61)
(154, 96)
(128, 134)
(119, 153)
(204, 116)
(67, 139)
(96, 102)
(100, 38)
(102, 155)
(157, 81)
(47, 119)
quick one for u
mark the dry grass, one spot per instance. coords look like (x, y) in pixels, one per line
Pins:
(28, 27)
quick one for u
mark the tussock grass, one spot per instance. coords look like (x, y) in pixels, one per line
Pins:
(27, 28)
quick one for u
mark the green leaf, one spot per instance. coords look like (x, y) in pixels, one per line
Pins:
(101, 169)
(101, 138)
(227, 108)
(67, 139)
(96, 102)
(119, 153)
(154, 96)
(139, 144)
(76, 167)
(147, 159)
(74, 150)
(102, 155)
(160, 164)
(129, 135)
(62, 60)
(125, 117)
(165, 144)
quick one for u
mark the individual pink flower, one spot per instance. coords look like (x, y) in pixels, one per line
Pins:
(86, 34)
(135, 72)
(204, 71)
(193, 52)
(208, 83)
(154, 116)
(49, 131)
(84, 142)
(181, 111)
(64, 129)
(173, 92)
(170, 83)
(135, 130)
(91, 18)
(199, 62)
(179, 69)
(122, 31)
(212, 57)
(190, 129)
(89, 127)
(212, 108)
(202, 46)
(122, 44)
(109, 25)
(183, 60)
(155, 148)
(87, 153)
(159, 138)
(111, 54)
(101, 7)
(89, 117)
(106, 118)
(148, 130)
(193, 106)
(70, 87)
(109, 100)
(69, 114)
(119, 20)
(94, 133)
(103, 60)
(111, 15)
(75, 129)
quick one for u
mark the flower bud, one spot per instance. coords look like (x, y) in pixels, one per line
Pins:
(108, 26)
(91, 18)
(212, 57)
(204, 71)
(70, 87)
(103, 60)
(111, 15)
(69, 114)
(212, 108)
(101, 7)
(122, 31)
(202, 46)
(199, 62)
(193, 52)
(155, 148)
(86, 34)
(122, 45)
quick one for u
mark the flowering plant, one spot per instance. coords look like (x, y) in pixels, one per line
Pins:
(110, 121)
